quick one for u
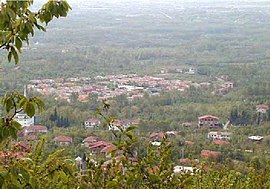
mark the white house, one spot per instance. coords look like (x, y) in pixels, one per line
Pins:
(24, 119)
(93, 122)
(255, 138)
(219, 135)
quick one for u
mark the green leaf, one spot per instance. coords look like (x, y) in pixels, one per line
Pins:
(9, 56)
(11, 13)
(29, 109)
(18, 43)
(22, 102)
(9, 104)
(15, 55)
(16, 125)
(132, 127)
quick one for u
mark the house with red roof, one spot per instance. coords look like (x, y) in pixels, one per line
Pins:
(124, 124)
(262, 108)
(63, 140)
(92, 122)
(90, 140)
(156, 136)
(207, 154)
(96, 147)
(35, 129)
(208, 121)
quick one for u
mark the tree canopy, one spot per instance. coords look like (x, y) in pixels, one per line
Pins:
(18, 22)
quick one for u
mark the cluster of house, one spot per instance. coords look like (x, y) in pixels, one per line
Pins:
(109, 86)
(224, 86)
(98, 145)
(157, 137)
(114, 125)
(190, 71)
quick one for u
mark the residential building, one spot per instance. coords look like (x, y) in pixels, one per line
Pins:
(63, 140)
(219, 135)
(210, 154)
(124, 124)
(209, 121)
(24, 119)
(228, 85)
(255, 138)
(156, 136)
(35, 129)
(262, 108)
(96, 147)
(90, 140)
(92, 122)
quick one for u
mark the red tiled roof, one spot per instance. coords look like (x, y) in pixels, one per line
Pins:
(157, 134)
(98, 144)
(93, 120)
(262, 106)
(36, 127)
(63, 139)
(208, 116)
(208, 154)
(91, 139)
(108, 148)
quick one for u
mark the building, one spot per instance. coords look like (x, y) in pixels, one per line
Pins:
(124, 124)
(90, 140)
(96, 147)
(209, 121)
(24, 119)
(207, 154)
(156, 136)
(228, 85)
(255, 138)
(219, 135)
(262, 108)
(93, 122)
(63, 140)
(35, 129)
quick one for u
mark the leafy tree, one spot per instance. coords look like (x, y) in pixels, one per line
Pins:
(18, 22)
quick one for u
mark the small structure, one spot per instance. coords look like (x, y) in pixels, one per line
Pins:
(183, 170)
(228, 84)
(207, 154)
(255, 138)
(187, 124)
(219, 135)
(209, 121)
(262, 108)
(96, 147)
(156, 136)
(156, 143)
(90, 140)
(63, 140)
(124, 124)
(24, 119)
(93, 122)
(35, 129)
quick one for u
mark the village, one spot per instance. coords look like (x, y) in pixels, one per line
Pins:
(131, 85)
(218, 134)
